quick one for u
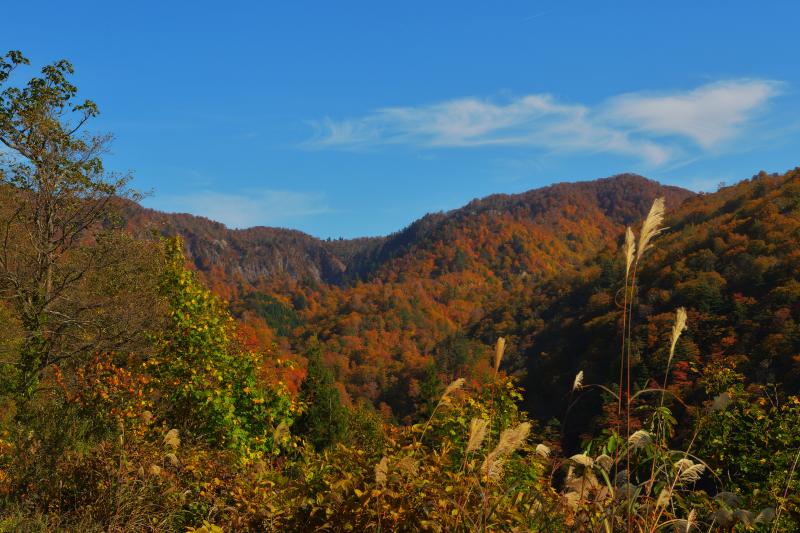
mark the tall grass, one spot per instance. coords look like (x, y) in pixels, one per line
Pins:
(643, 485)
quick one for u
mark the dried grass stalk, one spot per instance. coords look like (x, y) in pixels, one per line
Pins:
(578, 383)
(172, 439)
(454, 386)
(651, 227)
(510, 441)
(640, 439)
(381, 470)
(677, 329)
(542, 451)
(498, 353)
(630, 250)
(477, 432)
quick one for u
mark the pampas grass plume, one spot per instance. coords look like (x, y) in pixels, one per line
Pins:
(651, 227)
(630, 250)
(454, 386)
(691, 519)
(664, 497)
(172, 438)
(692, 473)
(677, 329)
(477, 432)
(578, 383)
(640, 439)
(408, 465)
(281, 433)
(605, 462)
(498, 353)
(494, 469)
(510, 441)
(542, 450)
(582, 459)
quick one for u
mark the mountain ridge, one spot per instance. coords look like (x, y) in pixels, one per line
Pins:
(261, 252)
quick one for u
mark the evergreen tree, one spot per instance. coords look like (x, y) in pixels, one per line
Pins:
(324, 422)
(430, 392)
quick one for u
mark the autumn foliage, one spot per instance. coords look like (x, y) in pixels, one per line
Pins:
(524, 363)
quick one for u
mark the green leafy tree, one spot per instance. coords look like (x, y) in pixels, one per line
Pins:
(324, 420)
(56, 203)
(210, 386)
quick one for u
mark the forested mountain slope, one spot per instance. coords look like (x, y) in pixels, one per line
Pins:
(264, 254)
(399, 315)
(532, 233)
(730, 257)
(392, 313)
(396, 336)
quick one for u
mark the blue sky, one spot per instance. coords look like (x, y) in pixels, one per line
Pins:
(355, 118)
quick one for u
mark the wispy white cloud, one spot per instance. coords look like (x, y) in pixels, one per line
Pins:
(708, 115)
(634, 124)
(257, 208)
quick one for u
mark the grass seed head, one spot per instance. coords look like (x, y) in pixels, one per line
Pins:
(512, 439)
(692, 474)
(381, 470)
(640, 439)
(651, 227)
(454, 386)
(542, 451)
(498, 353)
(583, 460)
(630, 250)
(477, 432)
(172, 439)
(578, 383)
(677, 329)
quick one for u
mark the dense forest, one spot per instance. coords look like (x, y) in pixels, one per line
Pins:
(610, 355)
(397, 312)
